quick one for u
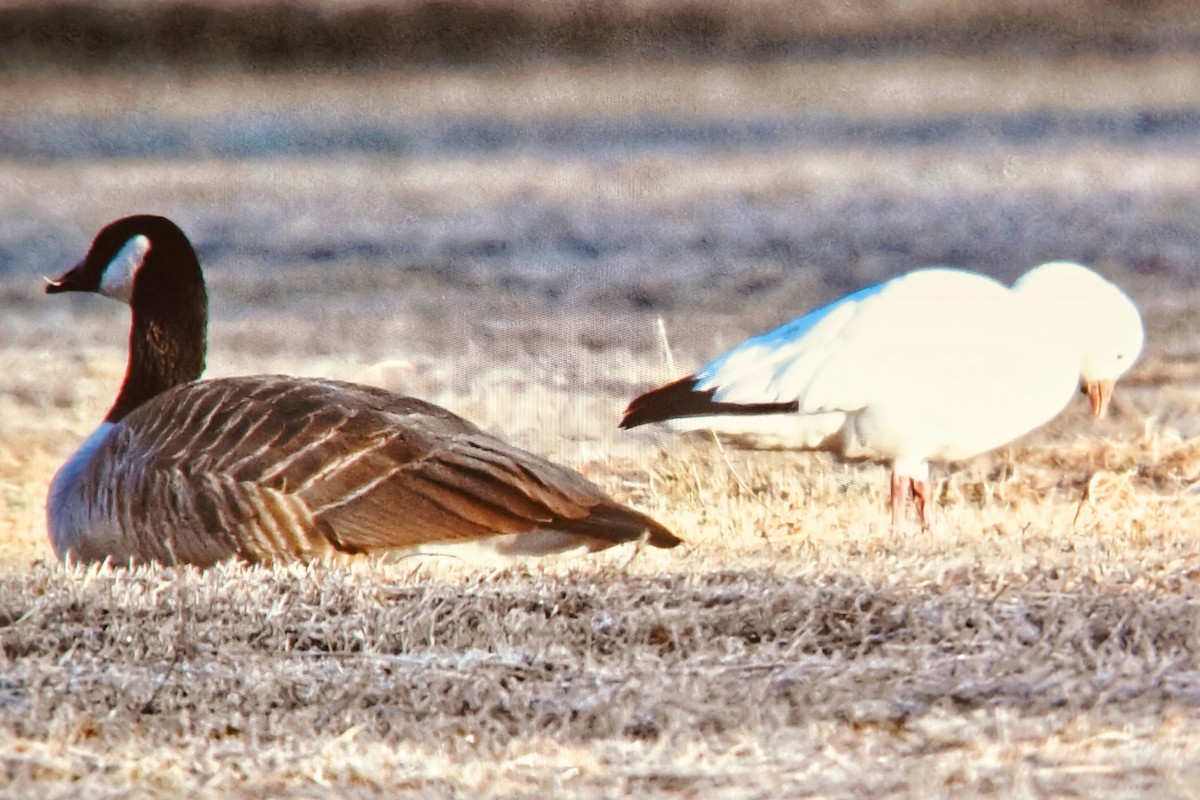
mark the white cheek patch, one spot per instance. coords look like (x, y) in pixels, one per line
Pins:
(117, 282)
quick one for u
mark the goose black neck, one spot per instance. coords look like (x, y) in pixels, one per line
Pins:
(170, 318)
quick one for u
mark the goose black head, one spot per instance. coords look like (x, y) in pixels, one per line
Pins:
(148, 263)
(132, 259)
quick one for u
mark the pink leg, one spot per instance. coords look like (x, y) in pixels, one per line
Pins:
(901, 487)
(923, 495)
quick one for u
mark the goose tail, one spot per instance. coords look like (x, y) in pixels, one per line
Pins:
(611, 523)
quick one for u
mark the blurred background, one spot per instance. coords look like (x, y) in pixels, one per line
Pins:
(530, 185)
(645, 154)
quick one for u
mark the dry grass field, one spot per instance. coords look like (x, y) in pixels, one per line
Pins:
(1044, 641)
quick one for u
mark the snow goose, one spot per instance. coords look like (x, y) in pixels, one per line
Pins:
(269, 467)
(935, 365)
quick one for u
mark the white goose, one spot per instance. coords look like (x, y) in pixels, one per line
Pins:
(269, 467)
(935, 365)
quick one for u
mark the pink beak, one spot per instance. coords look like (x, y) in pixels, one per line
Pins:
(1099, 393)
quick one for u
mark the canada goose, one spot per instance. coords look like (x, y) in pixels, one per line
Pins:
(938, 364)
(265, 467)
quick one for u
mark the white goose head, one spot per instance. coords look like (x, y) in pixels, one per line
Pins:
(1098, 314)
(148, 262)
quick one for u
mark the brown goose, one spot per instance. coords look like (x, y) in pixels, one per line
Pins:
(269, 467)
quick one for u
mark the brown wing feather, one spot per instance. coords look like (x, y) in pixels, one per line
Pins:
(292, 463)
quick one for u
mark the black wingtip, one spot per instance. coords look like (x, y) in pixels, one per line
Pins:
(682, 399)
(676, 399)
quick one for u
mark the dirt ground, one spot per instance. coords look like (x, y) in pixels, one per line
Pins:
(523, 271)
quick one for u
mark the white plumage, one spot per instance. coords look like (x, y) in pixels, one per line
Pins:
(935, 365)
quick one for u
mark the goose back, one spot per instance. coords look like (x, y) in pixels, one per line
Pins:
(261, 467)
